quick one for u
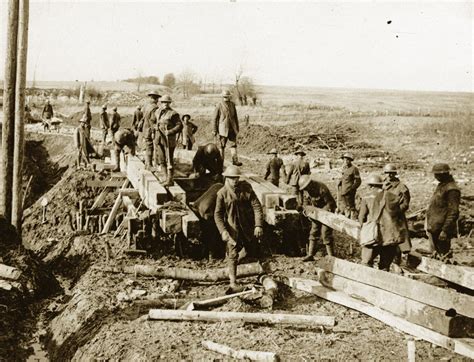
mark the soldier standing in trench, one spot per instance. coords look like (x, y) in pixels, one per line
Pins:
(115, 124)
(147, 127)
(317, 194)
(239, 219)
(226, 126)
(104, 123)
(88, 117)
(273, 168)
(168, 125)
(347, 187)
(124, 140)
(443, 212)
(137, 117)
(47, 115)
(297, 168)
(207, 158)
(398, 202)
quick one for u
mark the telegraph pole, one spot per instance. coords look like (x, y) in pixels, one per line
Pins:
(9, 110)
(19, 146)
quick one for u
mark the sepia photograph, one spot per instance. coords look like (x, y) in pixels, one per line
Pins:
(236, 180)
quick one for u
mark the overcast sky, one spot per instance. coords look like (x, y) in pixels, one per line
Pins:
(426, 45)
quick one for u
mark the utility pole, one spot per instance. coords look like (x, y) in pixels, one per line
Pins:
(19, 146)
(9, 110)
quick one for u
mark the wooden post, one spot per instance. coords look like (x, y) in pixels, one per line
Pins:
(19, 130)
(9, 111)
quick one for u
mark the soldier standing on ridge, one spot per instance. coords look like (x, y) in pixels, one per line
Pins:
(398, 202)
(347, 187)
(274, 165)
(115, 124)
(186, 137)
(88, 117)
(168, 125)
(47, 115)
(317, 194)
(104, 123)
(239, 219)
(147, 127)
(298, 168)
(226, 126)
(443, 212)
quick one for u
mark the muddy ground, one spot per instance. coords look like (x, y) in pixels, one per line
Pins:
(99, 315)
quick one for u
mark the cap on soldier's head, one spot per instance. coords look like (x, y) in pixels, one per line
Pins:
(375, 180)
(88, 101)
(83, 119)
(139, 107)
(226, 93)
(104, 106)
(273, 151)
(187, 116)
(304, 181)
(390, 168)
(300, 152)
(154, 94)
(232, 171)
(115, 108)
(441, 168)
(166, 99)
(348, 155)
(210, 148)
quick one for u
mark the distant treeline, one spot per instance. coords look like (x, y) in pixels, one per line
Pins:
(144, 80)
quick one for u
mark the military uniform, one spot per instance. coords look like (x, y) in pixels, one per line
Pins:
(398, 202)
(83, 145)
(115, 124)
(296, 170)
(147, 128)
(104, 124)
(442, 214)
(137, 118)
(226, 126)
(211, 162)
(273, 170)
(47, 115)
(88, 119)
(167, 120)
(124, 137)
(347, 188)
(318, 195)
(186, 137)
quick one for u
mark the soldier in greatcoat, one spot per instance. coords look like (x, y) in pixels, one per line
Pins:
(186, 136)
(226, 126)
(297, 168)
(239, 219)
(443, 211)
(147, 127)
(347, 187)
(168, 125)
(104, 123)
(273, 168)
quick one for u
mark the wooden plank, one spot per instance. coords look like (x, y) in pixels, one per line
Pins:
(99, 201)
(260, 318)
(131, 209)
(104, 183)
(191, 225)
(281, 217)
(177, 193)
(267, 184)
(113, 212)
(262, 193)
(461, 275)
(130, 192)
(9, 272)
(171, 221)
(240, 354)
(184, 156)
(411, 310)
(461, 346)
(288, 202)
(334, 221)
(437, 297)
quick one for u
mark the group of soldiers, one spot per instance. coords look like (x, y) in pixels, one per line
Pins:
(233, 208)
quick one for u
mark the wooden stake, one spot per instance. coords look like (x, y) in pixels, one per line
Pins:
(9, 111)
(18, 150)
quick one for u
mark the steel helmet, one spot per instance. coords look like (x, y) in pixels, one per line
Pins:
(226, 94)
(232, 171)
(154, 94)
(375, 180)
(187, 116)
(348, 155)
(304, 181)
(440, 168)
(114, 109)
(104, 107)
(273, 151)
(210, 148)
(390, 168)
(139, 107)
(166, 99)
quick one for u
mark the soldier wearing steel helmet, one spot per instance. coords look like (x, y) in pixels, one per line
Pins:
(226, 126)
(317, 194)
(373, 210)
(443, 211)
(347, 187)
(239, 219)
(274, 165)
(397, 202)
(168, 125)
(147, 127)
(208, 158)
(124, 140)
(297, 168)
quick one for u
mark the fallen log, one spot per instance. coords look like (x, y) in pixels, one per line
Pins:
(271, 290)
(215, 301)
(334, 221)
(240, 353)
(462, 346)
(259, 318)
(210, 275)
(9, 272)
(461, 275)
(439, 320)
(428, 294)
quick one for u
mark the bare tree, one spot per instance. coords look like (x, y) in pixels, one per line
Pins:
(187, 83)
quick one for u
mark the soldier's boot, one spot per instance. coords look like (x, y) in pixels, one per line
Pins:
(311, 250)
(148, 160)
(330, 249)
(234, 286)
(235, 158)
(222, 151)
(169, 178)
